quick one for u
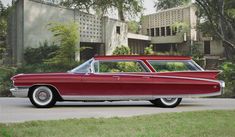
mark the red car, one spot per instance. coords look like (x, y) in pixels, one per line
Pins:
(162, 80)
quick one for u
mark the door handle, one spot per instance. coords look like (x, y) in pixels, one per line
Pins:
(117, 77)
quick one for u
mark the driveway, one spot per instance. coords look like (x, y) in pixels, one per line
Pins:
(20, 109)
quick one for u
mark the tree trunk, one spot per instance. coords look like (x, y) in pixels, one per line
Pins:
(121, 15)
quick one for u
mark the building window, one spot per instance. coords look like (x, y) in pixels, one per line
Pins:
(148, 32)
(207, 47)
(174, 30)
(152, 31)
(157, 32)
(162, 31)
(118, 30)
(168, 30)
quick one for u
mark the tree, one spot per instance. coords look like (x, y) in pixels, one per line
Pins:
(130, 7)
(219, 21)
(133, 27)
(166, 4)
(67, 36)
(4, 11)
(79, 4)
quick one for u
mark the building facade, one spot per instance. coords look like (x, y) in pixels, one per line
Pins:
(175, 29)
(28, 27)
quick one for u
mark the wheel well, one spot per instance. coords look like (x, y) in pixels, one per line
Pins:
(54, 90)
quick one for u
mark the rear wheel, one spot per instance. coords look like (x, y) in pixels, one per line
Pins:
(42, 97)
(166, 102)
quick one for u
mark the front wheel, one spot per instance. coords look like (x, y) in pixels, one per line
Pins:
(166, 102)
(42, 97)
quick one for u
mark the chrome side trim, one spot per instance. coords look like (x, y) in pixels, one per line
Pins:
(137, 97)
(20, 91)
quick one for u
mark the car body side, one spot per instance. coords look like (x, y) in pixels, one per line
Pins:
(123, 86)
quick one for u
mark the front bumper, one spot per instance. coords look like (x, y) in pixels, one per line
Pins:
(20, 91)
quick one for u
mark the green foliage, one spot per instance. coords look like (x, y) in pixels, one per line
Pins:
(120, 67)
(133, 27)
(4, 11)
(196, 54)
(5, 74)
(40, 54)
(174, 53)
(40, 68)
(122, 50)
(181, 27)
(169, 66)
(228, 75)
(124, 7)
(66, 34)
(149, 50)
(166, 4)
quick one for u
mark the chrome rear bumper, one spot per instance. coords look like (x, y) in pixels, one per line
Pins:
(20, 91)
(222, 86)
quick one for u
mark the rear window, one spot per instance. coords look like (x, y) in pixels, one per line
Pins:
(171, 65)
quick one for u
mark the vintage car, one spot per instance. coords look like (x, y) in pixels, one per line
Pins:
(162, 80)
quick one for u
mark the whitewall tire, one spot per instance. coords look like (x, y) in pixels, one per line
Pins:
(42, 97)
(166, 102)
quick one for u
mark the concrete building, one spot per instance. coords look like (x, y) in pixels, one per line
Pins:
(175, 29)
(28, 26)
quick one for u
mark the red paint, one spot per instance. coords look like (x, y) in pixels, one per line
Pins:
(137, 57)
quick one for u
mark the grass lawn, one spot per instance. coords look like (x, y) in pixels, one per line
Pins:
(184, 124)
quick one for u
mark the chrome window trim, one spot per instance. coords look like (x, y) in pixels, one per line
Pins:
(71, 71)
(198, 67)
(142, 63)
(195, 63)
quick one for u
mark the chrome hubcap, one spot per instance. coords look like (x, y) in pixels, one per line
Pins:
(43, 96)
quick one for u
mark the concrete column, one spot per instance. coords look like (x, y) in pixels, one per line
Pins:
(77, 53)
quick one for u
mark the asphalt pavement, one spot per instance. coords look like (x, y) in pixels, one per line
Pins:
(20, 109)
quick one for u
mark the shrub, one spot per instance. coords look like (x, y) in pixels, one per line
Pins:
(38, 55)
(122, 50)
(67, 36)
(149, 50)
(5, 74)
(228, 75)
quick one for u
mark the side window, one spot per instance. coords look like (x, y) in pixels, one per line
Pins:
(118, 66)
(164, 66)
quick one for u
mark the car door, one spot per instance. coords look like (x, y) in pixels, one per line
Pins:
(99, 84)
(116, 78)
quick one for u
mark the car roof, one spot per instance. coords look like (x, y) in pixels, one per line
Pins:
(138, 57)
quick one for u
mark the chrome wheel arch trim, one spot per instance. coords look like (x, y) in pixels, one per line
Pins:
(41, 84)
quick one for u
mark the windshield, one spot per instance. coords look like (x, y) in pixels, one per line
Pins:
(83, 68)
